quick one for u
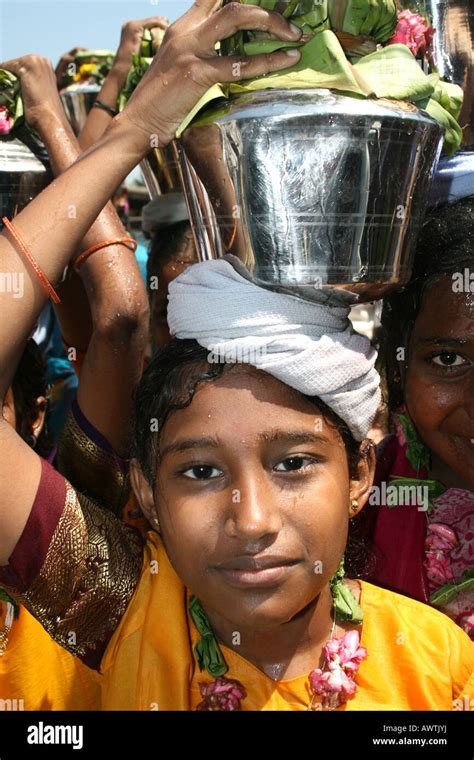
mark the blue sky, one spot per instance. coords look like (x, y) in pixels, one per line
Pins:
(52, 27)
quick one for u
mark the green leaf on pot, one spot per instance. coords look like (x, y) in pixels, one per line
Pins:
(452, 130)
(314, 18)
(375, 18)
(214, 93)
(394, 73)
(322, 64)
(257, 47)
(450, 96)
(138, 69)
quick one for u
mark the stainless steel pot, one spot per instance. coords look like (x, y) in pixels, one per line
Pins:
(22, 176)
(311, 188)
(78, 100)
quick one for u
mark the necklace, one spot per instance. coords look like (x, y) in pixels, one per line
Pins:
(330, 686)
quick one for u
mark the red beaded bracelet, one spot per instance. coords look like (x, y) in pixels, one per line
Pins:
(38, 271)
(127, 241)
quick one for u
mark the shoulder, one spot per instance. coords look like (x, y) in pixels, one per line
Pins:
(414, 632)
(376, 598)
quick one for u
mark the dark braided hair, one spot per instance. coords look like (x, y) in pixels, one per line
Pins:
(445, 246)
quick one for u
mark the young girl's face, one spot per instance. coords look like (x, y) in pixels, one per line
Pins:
(439, 389)
(253, 496)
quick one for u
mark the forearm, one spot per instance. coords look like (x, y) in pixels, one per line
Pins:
(53, 225)
(97, 119)
(120, 316)
(119, 309)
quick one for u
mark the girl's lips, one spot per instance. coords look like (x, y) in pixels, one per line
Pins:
(268, 576)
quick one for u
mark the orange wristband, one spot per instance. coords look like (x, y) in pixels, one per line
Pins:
(127, 241)
(38, 271)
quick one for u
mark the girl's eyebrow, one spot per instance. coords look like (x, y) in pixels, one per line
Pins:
(293, 436)
(189, 443)
(443, 341)
(270, 436)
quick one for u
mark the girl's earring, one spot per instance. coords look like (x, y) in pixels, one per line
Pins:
(354, 505)
(156, 523)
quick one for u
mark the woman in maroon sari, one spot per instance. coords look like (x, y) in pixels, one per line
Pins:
(424, 544)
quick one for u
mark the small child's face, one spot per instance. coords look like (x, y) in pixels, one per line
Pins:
(251, 472)
(439, 390)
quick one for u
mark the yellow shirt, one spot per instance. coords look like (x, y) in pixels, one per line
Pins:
(37, 674)
(418, 659)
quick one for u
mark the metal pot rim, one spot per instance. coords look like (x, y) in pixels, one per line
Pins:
(307, 99)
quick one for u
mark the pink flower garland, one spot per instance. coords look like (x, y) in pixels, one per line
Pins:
(221, 694)
(440, 541)
(343, 657)
(335, 685)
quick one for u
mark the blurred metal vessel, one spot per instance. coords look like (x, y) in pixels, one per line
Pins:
(454, 51)
(78, 100)
(24, 172)
(161, 172)
(311, 188)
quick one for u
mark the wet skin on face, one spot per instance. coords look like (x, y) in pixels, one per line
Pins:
(439, 390)
(253, 492)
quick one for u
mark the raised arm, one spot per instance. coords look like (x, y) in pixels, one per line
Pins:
(98, 119)
(53, 225)
(115, 289)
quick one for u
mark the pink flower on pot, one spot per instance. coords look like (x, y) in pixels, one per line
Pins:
(414, 32)
(6, 121)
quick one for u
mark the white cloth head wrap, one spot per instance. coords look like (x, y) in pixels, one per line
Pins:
(311, 347)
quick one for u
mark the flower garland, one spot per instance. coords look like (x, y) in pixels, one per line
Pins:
(330, 686)
(440, 538)
(336, 685)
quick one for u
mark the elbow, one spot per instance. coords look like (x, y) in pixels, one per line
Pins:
(127, 325)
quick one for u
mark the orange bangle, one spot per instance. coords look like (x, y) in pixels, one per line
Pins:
(127, 241)
(48, 288)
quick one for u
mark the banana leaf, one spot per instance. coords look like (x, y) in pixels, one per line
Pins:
(452, 130)
(323, 63)
(375, 18)
(138, 69)
(434, 488)
(215, 92)
(450, 96)
(449, 591)
(314, 18)
(394, 73)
